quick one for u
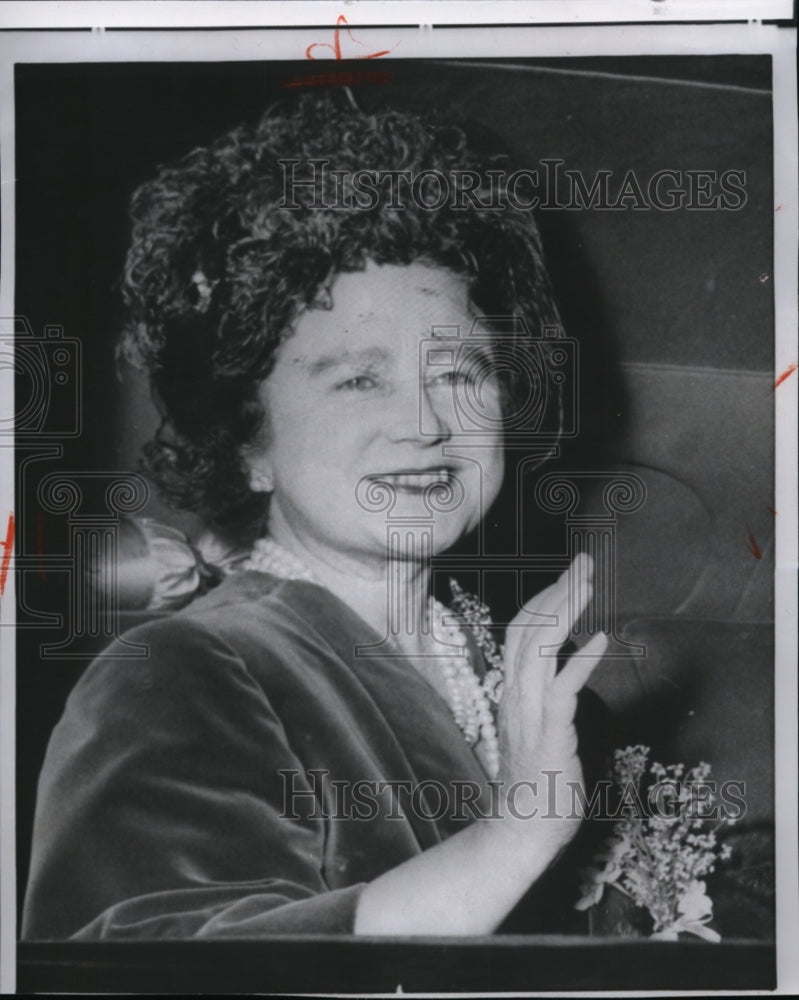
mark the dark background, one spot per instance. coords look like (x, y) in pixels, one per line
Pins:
(674, 311)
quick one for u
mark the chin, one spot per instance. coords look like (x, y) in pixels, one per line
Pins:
(446, 530)
(446, 535)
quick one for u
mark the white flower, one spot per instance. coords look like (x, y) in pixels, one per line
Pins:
(204, 288)
(695, 904)
(658, 861)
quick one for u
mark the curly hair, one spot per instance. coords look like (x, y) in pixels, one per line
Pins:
(220, 268)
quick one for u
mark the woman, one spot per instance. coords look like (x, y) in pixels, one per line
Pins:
(219, 787)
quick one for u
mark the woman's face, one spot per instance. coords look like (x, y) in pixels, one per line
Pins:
(358, 399)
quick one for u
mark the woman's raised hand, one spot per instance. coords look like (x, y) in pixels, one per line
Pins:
(538, 741)
(468, 883)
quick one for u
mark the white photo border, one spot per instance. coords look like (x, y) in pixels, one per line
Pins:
(466, 42)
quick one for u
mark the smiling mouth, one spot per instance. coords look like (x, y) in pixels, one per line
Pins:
(415, 481)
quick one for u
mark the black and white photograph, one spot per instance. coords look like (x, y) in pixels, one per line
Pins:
(399, 554)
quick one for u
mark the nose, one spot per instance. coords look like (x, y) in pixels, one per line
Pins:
(433, 422)
(418, 416)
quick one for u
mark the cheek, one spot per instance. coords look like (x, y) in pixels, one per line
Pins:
(290, 429)
(494, 474)
(483, 483)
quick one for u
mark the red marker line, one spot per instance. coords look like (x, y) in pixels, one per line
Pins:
(337, 80)
(786, 374)
(753, 546)
(771, 509)
(335, 48)
(8, 548)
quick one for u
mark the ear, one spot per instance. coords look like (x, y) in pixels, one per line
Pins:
(260, 479)
(260, 476)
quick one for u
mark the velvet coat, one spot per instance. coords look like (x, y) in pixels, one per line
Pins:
(193, 792)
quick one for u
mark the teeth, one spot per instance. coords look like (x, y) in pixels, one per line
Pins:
(418, 480)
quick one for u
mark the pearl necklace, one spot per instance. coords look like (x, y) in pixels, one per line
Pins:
(269, 557)
(469, 698)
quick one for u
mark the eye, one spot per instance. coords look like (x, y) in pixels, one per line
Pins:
(358, 383)
(457, 376)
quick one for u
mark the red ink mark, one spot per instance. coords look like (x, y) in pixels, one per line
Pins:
(771, 509)
(8, 548)
(335, 48)
(763, 279)
(337, 79)
(40, 547)
(777, 209)
(786, 374)
(753, 546)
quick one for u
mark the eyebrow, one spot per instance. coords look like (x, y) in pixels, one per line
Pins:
(328, 362)
(483, 348)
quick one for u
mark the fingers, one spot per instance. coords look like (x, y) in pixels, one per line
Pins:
(525, 636)
(565, 601)
(580, 666)
(562, 701)
(575, 583)
(581, 573)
